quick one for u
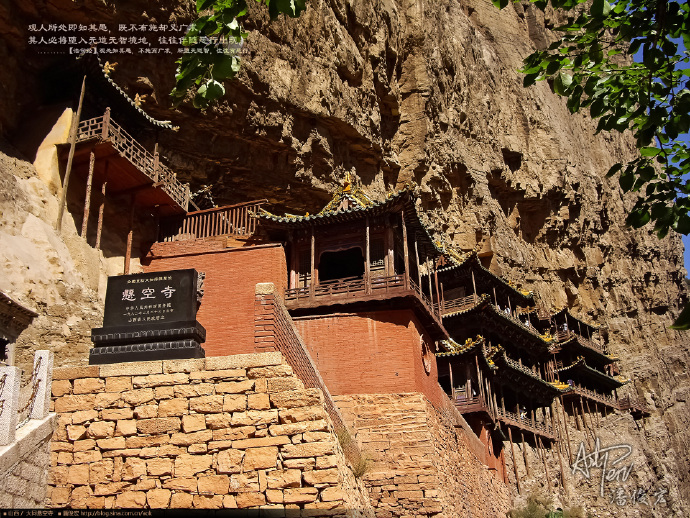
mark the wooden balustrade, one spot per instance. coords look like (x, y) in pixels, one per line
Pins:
(229, 220)
(106, 129)
(461, 304)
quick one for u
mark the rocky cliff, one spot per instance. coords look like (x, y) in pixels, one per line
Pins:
(427, 93)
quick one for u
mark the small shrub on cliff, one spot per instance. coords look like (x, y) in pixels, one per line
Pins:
(538, 506)
(362, 463)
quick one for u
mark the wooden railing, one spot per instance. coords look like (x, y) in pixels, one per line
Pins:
(513, 419)
(106, 129)
(229, 220)
(392, 284)
(591, 394)
(630, 403)
(461, 304)
(467, 405)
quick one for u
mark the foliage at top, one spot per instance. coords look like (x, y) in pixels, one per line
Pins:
(214, 41)
(592, 66)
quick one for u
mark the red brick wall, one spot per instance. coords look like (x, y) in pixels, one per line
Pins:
(370, 353)
(227, 309)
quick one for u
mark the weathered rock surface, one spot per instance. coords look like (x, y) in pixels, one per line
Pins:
(401, 91)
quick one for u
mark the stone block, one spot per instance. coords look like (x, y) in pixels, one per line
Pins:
(260, 442)
(206, 404)
(169, 450)
(131, 369)
(234, 402)
(138, 396)
(187, 439)
(300, 495)
(229, 502)
(108, 400)
(282, 478)
(78, 475)
(270, 371)
(57, 475)
(409, 495)
(75, 403)
(321, 477)
(193, 423)
(328, 461)
(64, 457)
(207, 502)
(61, 388)
(146, 411)
(313, 449)
(229, 461)
(254, 417)
(116, 414)
(218, 375)
(133, 468)
(235, 387)
(274, 496)
(85, 457)
(181, 501)
(112, 488)
(59, 446)
(213, 484)
(218, 421)
(159, 425)
(71, 373)
(126, 427)
(284, 384)
(302, 464)
(258, 402)
(130, 500)
(59, 496)
(158, 380)
(244, 483)
(147, 442)
(101, 472)
(197, 448)
(95, 502)
(299, 414)
(187, 366)
(301, 427)
(158, 498)
(101, 430)
(88, 386)
(115, 443)
(84, 416)
(243, 361)
(245, 500)
(316, 436)
(332, 494)
(173, 407)
(119, 384)
(75, 432)
(195, 390)
(190, 465)
(79, 496)
(296, 398)
(164, 393)
(260, 458)
(181, 484)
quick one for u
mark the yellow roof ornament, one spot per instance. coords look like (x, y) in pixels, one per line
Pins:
(347, 186)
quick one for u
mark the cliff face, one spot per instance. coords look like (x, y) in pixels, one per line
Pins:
(428, 93)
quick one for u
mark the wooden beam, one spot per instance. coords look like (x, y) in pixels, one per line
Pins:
(367, 261)
(406, 254)
(419, 271)
(524, 451)
(101, 208)
(294, 267)
(452, 385)
(312, 279)
(565, 427)
(438, 292)
(130, 235)
(72, 144)
(512, 454)
(87, 198)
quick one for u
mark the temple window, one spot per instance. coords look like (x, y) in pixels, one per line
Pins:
(341, 264)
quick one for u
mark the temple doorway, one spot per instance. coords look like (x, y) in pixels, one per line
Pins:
(341, 264)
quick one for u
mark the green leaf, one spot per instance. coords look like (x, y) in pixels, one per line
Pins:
(650, 151)
(682, 323)
(614, 169)
(638, 218)
(626, 181)
(600, 8)
(500, 3)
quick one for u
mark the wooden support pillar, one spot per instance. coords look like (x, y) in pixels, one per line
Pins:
(540, 445)
(101, 209)
(312, 279)
(419, 271)
(106, 123)
(565, 427)
(406, 253)
(87, 198)
(596, 409)
(474, 286)
(584, 422)
(495, 297)
(438, 292)
(452, 385)
(524, 452)
(72, 145)
(427, 263)
(156, 163)
(512, 453)
(367, 260)
(390, 248)
(130, 235)
(294, 257)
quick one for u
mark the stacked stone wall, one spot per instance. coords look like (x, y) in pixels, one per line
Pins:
(421, 460)
(225, 432)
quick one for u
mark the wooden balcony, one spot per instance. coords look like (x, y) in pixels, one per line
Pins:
(354, 290)
(459, 305)
(592, 395)
(235, 220)
(636, 407)
(473, 405)
(128, 167)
